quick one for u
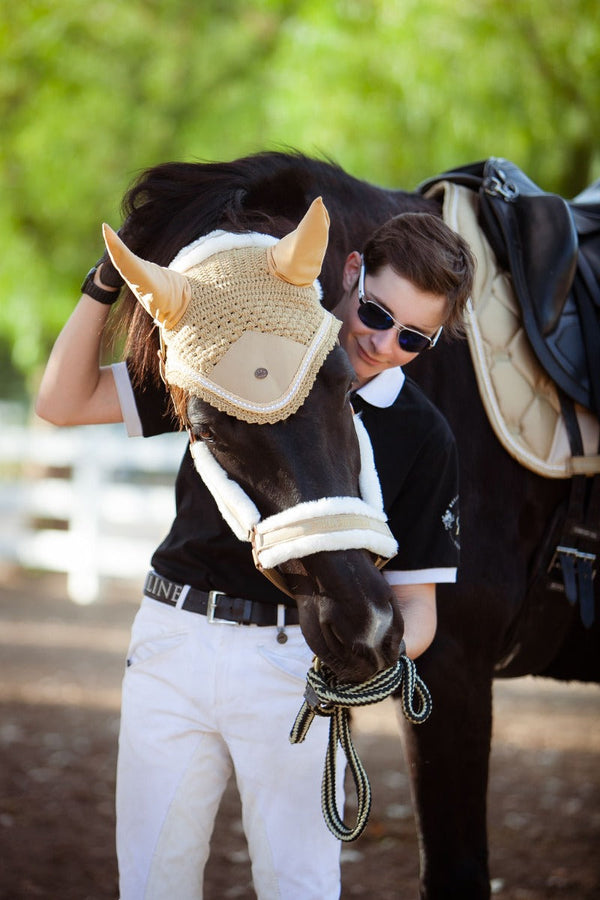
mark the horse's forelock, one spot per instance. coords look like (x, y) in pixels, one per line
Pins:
(180, 399)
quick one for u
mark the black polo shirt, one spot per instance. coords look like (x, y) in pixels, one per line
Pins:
(415, 455)
(417, 463)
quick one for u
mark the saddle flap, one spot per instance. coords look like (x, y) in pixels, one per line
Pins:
(538, 241)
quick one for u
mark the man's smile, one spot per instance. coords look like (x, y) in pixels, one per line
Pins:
(367, 358)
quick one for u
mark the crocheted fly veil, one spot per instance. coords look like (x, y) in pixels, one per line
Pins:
(240, 315)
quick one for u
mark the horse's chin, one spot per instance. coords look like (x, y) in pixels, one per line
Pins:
(351, 664)
(346, 612)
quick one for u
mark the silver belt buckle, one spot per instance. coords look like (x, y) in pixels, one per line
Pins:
(212, 605)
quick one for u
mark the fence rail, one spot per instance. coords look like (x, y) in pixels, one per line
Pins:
(89, 502)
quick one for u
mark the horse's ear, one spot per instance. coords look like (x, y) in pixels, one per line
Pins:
(297, 258)
(163, 293)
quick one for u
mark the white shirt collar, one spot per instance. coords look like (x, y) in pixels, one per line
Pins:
(382, 390)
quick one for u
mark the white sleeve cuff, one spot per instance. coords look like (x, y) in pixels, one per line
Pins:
(131, 417)
(420, 576)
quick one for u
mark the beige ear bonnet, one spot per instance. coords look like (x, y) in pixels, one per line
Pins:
(240, 316)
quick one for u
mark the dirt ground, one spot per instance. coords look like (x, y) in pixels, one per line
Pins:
(61, 668)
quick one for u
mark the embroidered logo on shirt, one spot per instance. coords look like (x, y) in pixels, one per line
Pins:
(451, 522)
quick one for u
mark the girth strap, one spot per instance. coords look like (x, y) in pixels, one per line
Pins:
(579, 545)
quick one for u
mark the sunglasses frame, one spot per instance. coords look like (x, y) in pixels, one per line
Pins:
(400, 328)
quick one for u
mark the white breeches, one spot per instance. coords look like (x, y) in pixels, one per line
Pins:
(201, 701)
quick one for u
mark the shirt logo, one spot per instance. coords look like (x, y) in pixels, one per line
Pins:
(451, 522)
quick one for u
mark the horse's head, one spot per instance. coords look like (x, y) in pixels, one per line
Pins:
(249, 347)
(301, 472)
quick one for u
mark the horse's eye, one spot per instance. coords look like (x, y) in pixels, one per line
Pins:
(204, 433)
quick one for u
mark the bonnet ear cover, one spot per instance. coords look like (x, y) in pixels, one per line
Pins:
(164, 294)
(297, 258)
(240, 315)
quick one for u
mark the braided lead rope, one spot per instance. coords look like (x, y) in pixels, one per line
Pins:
(323, 697)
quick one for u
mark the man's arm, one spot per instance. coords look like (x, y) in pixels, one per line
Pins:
(75, 389)
(416, 604)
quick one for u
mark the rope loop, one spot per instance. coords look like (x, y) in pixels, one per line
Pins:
(325, 697)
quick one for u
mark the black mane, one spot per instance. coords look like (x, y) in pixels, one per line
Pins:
(174, 203)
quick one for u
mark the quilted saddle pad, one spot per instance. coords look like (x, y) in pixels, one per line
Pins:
(521, 401)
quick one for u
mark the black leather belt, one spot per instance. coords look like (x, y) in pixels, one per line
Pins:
(215, 605)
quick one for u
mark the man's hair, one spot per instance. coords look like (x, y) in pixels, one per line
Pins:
(422, 249)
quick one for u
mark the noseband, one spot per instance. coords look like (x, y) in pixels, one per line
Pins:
(313, 526)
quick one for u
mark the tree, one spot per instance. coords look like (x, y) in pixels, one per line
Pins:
(91, 94)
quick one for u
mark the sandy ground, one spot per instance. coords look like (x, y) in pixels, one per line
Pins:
(61, 669)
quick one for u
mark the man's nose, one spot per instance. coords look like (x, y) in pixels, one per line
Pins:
(385, 342)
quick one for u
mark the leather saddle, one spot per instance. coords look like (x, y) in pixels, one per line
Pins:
(551, 247)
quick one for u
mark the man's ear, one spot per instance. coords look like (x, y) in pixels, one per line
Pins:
(351, 270)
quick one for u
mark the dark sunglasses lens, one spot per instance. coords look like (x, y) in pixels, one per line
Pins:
(412, 342)
(374, 317)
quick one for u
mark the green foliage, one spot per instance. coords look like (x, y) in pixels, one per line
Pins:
(92, 93)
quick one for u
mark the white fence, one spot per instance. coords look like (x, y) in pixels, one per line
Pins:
(89, 502)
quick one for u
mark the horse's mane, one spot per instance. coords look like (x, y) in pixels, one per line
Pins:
(172, 204)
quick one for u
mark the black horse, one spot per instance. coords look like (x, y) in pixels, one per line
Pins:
(490, 623)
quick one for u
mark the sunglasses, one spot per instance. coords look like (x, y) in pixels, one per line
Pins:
(376, 317)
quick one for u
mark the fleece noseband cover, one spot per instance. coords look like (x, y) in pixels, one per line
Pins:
(330, 523)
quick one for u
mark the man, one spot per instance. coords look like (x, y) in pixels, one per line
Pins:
(412, 281)
(201, 700)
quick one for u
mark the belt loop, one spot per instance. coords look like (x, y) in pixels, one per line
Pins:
(181, 599)
(247, 613)
(281, 635)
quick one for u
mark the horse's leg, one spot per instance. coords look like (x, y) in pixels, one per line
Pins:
(447, 759)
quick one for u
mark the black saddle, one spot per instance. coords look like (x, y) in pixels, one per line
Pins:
(551, 247)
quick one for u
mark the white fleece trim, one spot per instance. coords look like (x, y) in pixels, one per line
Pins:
(217, 242)
(420, 576)
(324, 506)
(352, 539)
(234, 504)
(368, 479)
(127, 402)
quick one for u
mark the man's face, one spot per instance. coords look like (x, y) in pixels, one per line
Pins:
(372, 351)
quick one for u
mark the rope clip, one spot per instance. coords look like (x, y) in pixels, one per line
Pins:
(317, 705)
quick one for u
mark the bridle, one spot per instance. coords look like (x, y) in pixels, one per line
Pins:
(326, 524)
